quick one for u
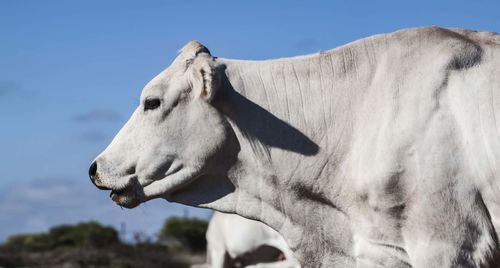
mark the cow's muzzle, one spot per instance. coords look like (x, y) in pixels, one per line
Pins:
(94, 176)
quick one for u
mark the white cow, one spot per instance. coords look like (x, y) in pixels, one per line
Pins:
(233, 240)
(382, 153)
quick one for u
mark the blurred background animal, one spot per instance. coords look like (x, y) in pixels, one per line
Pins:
(234, 241)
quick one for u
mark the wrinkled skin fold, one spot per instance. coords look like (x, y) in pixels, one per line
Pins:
(382, 153)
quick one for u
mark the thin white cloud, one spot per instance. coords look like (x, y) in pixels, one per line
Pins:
(37, 205)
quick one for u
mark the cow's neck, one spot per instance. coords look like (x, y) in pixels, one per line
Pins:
(292, 121)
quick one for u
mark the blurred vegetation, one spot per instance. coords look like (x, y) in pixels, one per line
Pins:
(91, 244)
(89, 234)
(190, 232)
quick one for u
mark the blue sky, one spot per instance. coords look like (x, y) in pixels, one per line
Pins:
(71, 73)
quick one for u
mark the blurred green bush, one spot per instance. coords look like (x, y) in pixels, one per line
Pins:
(190, 232)
(86, 234)
(90, 244)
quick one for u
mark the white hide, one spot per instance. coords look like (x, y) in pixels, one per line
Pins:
(384, 152)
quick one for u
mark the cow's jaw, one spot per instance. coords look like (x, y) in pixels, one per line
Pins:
(135, 193)
(178, 179)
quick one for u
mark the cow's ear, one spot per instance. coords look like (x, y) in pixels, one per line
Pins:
(189, 52)
(200, 66)
(204, 82)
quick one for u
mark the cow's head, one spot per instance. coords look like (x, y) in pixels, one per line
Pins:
(173, 138)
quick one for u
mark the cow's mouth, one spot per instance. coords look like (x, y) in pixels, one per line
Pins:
(116, 192)
(127, 197)
(133, 192)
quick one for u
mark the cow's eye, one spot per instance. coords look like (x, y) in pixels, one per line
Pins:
(151, 104)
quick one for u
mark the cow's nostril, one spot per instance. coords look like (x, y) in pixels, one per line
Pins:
(92, 170)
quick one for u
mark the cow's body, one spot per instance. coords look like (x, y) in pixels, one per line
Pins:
(232, 239)
(381, 153)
